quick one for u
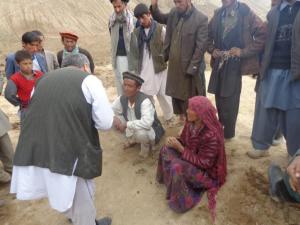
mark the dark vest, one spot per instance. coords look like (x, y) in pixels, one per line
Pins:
(157, 127)
(157, 51)
(58, 128)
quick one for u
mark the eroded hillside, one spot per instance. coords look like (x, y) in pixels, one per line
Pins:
(86, 18)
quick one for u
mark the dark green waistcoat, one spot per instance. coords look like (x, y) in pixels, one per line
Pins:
(156, 47)
(157, 127)
(58, 131)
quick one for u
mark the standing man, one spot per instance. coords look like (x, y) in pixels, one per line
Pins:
(147, 60)
(121, 24)
(50, 57)
(69, 40)
(184, 47)
(236, 36)
(59, 153)
(30, 43)
(6, 148)
(278, 98)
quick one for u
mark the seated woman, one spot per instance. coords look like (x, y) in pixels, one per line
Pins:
(196, 161)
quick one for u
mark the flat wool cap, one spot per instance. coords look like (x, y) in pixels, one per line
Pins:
(69, 35)
(132, 76)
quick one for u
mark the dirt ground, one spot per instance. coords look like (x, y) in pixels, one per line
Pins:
(127, 190)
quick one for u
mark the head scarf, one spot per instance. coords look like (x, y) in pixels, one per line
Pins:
(207, 113)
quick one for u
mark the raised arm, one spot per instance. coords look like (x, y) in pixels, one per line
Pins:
(157, 14)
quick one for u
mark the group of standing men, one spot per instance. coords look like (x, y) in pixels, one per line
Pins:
(236, 38)
(240, 43)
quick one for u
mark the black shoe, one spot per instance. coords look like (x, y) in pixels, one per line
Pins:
(275, 175)
(104, 221)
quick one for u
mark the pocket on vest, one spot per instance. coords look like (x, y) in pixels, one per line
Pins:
(89, 163)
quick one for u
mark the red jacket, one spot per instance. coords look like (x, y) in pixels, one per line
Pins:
(25, 86)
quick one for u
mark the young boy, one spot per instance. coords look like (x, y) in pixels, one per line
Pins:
(20, 84)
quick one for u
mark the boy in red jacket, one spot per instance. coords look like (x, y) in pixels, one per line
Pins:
(20, 84)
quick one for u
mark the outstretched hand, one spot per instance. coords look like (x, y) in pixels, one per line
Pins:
(117, 123)
(293, 171)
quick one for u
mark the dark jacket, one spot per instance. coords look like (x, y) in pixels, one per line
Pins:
(82, 51)
(194, 37)
(183, 81)
(253, 37)
(58, 131)
(273, 20)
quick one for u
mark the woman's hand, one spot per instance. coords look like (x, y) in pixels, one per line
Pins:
(172, 142)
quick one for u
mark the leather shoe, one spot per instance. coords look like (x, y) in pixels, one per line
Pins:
(104, 221)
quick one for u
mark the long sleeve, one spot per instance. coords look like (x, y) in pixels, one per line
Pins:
(95, 95)
(210, 42)
(117, 107)
(200, 48)
(147, 117)
(258, 31)
(1, 83)
(10, 93)
(133, 56)
(52, 58)
(158, 15)
(90, 58)
(201, 151)
(59, 57)
(10, 66)
(55, 62)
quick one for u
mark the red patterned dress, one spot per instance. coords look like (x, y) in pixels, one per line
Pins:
(200, 167)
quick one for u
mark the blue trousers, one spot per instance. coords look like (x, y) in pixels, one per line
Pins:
(266, 122)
